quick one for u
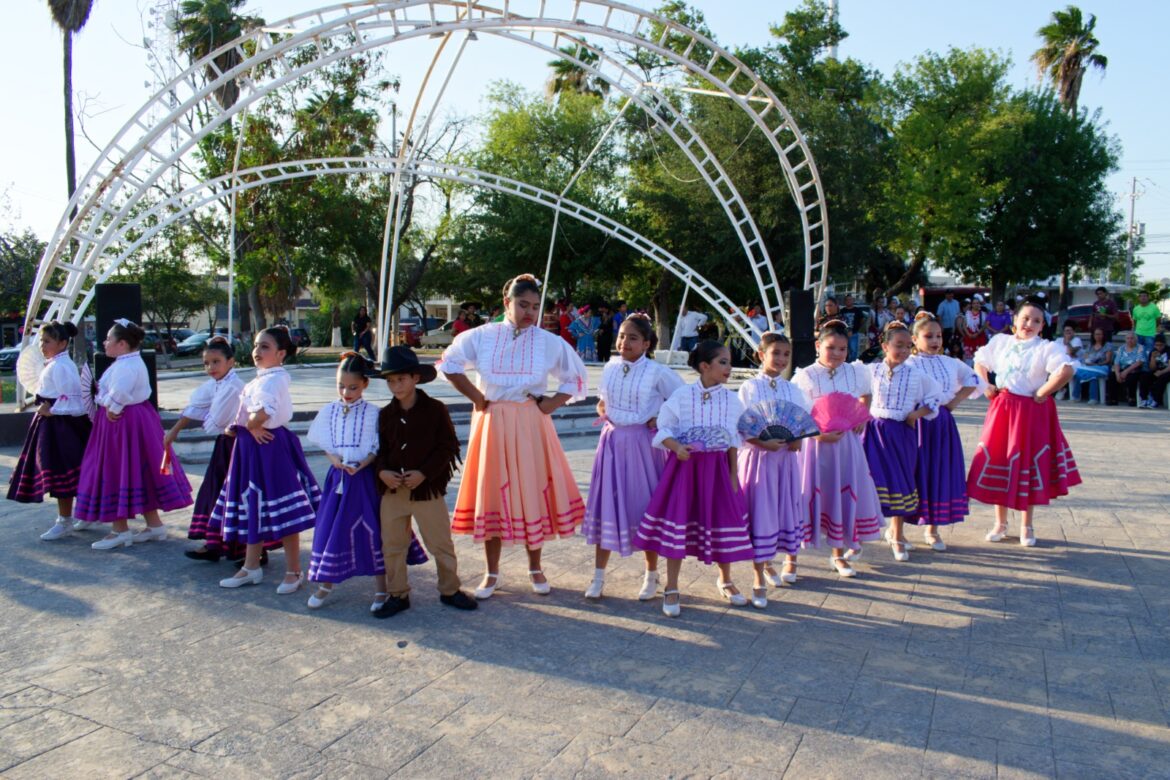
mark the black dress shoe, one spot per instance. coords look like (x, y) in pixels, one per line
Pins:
(392, 607)
(203, 555)
(459, 600)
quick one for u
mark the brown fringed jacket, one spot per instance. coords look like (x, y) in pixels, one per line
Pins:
(421, 438)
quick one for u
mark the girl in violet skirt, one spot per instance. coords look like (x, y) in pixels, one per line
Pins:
(770, 474)
(270, 493)
(50, 462)
(122, 473)
(347, 540)
(627, 467)
(940, 472)
(902, 395)
(698, 510)
(842, 505)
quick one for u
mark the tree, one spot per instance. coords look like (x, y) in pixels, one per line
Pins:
(20, 253)
(70, 16)
(568, 76)
(1068, 48)
(203, 26)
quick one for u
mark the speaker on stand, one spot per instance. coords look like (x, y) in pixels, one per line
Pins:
(116, 302)
(802, 323)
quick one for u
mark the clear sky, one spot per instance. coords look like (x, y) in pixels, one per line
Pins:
(111, 77)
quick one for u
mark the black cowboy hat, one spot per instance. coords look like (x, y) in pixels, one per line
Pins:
(402, 360)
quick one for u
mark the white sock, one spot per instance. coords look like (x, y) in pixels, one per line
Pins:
(599, 575)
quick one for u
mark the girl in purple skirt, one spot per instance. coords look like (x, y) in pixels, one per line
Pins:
(212, 406)
(940, 472)
(842, 504)
(627, 468)
(50, 462)
(770, 474)
(270, 493)
(901, 396)
(122, 473)
(698, 509)
(347, 540)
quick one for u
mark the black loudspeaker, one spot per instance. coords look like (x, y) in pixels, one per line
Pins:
(101, 363)
(802, 313)
(115, 302)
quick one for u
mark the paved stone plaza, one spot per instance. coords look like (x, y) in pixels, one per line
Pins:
(986, 660)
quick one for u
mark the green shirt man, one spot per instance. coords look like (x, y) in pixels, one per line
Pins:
(1145, 317)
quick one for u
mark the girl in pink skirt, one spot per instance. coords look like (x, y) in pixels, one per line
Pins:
(627, 468)
(122, 473)
(770, 474)
(1023, 458)
(843, 503)
(698, 509)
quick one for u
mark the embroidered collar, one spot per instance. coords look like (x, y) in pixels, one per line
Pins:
(266, 371)
(133, 354)
(707, 393)
(231, 373)
(630, 365)
(773, 381)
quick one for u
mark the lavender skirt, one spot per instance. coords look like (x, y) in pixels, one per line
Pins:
(347, 539)
(626, 470)
(50, 461)
(891, 448)
(772, 488)
(121, 473)
(842, 507)
(940, 472)
(696, 512)
(270, 493)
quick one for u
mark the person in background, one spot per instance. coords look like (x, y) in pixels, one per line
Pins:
(603, 336)
(999, 321)
(1127, 368)
(948, 312)
(830, 313)
(1093, 364)
(1146, 316)
(882, 316)
(1154, 380)
(759, 319)
(688, 328)
(363, 336)
(855, 318)
(620, 312)
(462, 322)
(1104, 314)
(972, 327)
(902, 316)
(778, 323)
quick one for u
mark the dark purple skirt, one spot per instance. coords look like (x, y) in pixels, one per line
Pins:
(940, 472)
(347, 540)
(270, 493)
(213, 479)
(891, 449)
(50, 461)
(121, 473)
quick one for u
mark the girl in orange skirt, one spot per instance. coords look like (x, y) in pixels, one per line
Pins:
(516, 486)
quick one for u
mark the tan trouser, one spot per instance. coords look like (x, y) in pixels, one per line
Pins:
(434, 526)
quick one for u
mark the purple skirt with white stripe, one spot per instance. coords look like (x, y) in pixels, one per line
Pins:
(940, 472)
(772, 488)
(842, 506)
(697, 512)
(270, 493)
(347, 539)
(50, 462)
(891, 449)
(625, 472)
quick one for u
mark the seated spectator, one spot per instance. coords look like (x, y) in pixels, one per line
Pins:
(1000, 320)
(1153, 381)
(1094, 363)
(1127, 369)
(1072, 345)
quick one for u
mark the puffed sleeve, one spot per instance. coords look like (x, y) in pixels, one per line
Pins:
(1055, 357)
(319, 432)
(966, 376)
(568, 369)
(735, 410)
(803, 383)
(606, 373)
(369, 438)
(224, 407)
(668, 420)
(199, 404)
(461, 353)
(799, 397)
(265, 395)
(123, 384)
(933, 394)
(864, 376)
(988, 355)
(747, 394)
(65, 382)
(667, 381)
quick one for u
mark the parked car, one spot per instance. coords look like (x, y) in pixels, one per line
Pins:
(193, 344)
(300, 337)
(8, 357)
(409, 334)
(1078, 317)
(439, 337)
(154, 340)
(181, 334)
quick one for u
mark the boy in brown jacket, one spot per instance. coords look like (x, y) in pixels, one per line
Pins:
(417, 454)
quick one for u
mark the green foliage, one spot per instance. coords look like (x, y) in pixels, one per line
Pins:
(321, 326)
(1157, 291)
(1068, 48)
(20, 253)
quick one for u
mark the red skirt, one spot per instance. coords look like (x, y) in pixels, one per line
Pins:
(1023, 459)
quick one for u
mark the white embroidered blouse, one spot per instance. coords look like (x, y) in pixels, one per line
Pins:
(900, 391)
(269, 392)
(634, 392)
(697, 413)
(349, 431)
(952, 375)
(513, 365)
(125, 383)
(215, 402)
(817, 380)
(766, 388)
(60, 383)
(1022, 366)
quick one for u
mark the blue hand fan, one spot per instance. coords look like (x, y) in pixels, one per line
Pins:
(707, 438)
(773, 419)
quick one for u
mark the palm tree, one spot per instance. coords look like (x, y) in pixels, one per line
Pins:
(70, 16)
(1069, 49)
(205, 25)
(568, 76)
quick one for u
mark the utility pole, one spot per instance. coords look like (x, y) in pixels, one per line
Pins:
(1129, 236)
(832, 53)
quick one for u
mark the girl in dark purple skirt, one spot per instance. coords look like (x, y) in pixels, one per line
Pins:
(347, 538)
(901, 395)
(50, 462)
(940, 473)
(270, 494)
(698, 509)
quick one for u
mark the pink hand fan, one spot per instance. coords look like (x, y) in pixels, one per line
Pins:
(839, 412)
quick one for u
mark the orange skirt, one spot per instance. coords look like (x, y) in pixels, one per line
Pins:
(516, 486)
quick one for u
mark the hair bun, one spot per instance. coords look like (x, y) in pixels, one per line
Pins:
(70, 329)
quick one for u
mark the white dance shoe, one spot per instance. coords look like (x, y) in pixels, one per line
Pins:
(60, 530)
(124, 539)
(149, 534)
(539, 588)
(1027, 537)
(671, 610)
(760, 598)
(250, 577)
(649, 586)
(285, 588)
(735, 599)
(485, 590)
(842, 567)
(595, 588)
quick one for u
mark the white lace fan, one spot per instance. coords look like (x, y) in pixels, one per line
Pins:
(28, 367)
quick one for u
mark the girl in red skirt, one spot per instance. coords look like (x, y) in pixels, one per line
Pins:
(1023, 459)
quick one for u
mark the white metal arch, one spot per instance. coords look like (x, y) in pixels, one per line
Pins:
(203, 193)
(140, 153)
